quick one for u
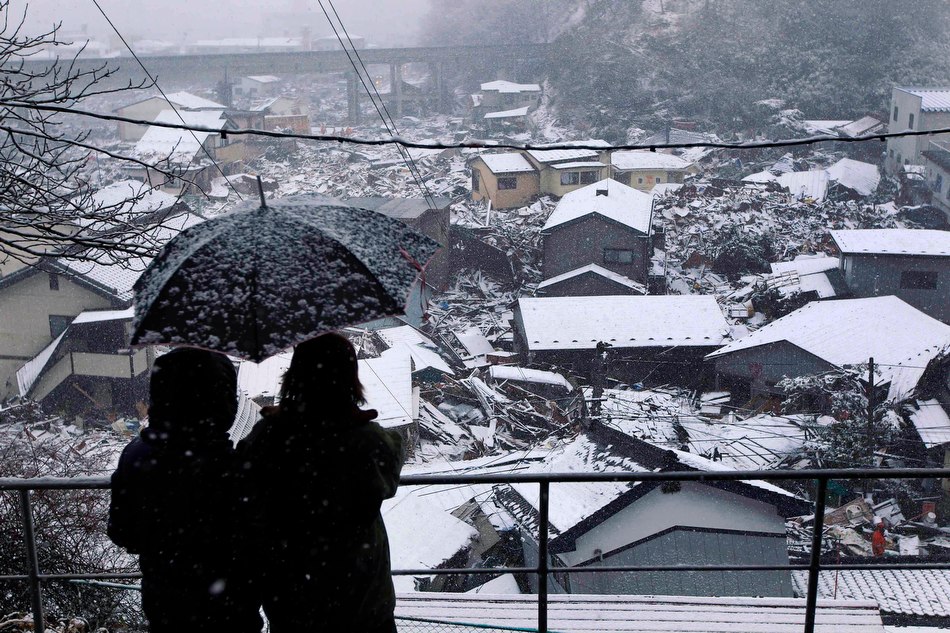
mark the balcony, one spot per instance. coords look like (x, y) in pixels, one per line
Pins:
(572, 612)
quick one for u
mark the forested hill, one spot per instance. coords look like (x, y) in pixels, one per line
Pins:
(622, 62)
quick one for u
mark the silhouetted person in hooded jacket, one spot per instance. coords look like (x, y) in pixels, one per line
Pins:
(175, 500)
(321, 469)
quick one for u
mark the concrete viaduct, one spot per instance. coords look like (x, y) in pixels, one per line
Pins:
(517, 62)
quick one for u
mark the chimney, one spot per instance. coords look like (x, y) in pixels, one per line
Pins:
(602, 192)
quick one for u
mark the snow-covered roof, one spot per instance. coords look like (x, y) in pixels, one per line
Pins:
(756, 443)
(263, 379)
(421, 348)
(523, 374)
(580, 164)
(922, 592)
(761, 177)
(509, 87)
(932, 423)
(31, 370)
(860, 127)
(264, 79)
(807, 184)
(806, 273)
(554, 323)
(901, 339)
(806, 264)
(578, 613)
(508, 114)
(387, 384)
(507, 163)
(931, 99)
(179, 145)
(643, 159)
(597, 270)
(862, 177)
(922, 242)
(622, 204)
(823, 126)
(664, 188)
(98, 316)
(559, 155)
(193, 102)
(124, 201)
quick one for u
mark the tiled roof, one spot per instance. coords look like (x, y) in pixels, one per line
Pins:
(921, 592)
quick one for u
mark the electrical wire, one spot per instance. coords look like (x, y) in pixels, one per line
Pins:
(396, 140)
(173, 107)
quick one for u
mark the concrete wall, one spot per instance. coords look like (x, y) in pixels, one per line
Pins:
(878, 275)
(941, 195)
(582, 242)
(25, 308)
(907, 150)
(146, 111)
(527, 189)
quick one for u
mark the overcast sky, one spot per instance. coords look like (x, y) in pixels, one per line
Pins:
(382, 22)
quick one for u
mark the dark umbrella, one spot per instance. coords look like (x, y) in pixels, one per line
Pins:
(259, 280)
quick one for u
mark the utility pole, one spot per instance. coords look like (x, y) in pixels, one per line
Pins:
(871, 410)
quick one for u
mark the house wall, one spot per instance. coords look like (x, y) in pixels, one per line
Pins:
(146, 111)
(878, 275)
(941, 194)
(758, 369)
(646, 179)
(734, 530)
(25, 308)
(909, 148)
(582, 242)
(586, 285)
(527, 189)
(299, 123)
(551, 180)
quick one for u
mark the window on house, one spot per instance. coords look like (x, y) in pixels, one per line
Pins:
(895, 113)
(588, 177)
(910, 121)
(53, 281)
(640, 180)
(509, 182)
(617, 256)
(476, 181)
(659, 179)
(58, 324)
(570, 177)
(919, 279)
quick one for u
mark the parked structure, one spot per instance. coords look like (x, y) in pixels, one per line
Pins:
(644, 170)
(507, 180)
(936, 159)
(915, 109)
(149, 109)
(607, 224)
(828, 335)
(655, 336)
(913, 264)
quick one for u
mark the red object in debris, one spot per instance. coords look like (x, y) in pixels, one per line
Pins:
(877, 540)
(927, 507)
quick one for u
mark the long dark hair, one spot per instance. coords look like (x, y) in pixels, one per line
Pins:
(324, 374)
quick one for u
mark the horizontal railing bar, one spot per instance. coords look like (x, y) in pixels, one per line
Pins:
(59, 483)
(589, 569)
(134, 575)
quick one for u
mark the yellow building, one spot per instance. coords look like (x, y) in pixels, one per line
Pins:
(644, 170)
(508, 180)
(564, 170)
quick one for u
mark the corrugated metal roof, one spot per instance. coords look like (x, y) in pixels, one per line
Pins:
(920, 242)
(931, 99)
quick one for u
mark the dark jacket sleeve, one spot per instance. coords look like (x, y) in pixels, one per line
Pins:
(125, 506)
(385, 460)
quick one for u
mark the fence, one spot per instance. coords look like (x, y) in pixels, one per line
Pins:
(36, 578)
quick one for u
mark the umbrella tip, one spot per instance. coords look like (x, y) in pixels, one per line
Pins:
(260, 189)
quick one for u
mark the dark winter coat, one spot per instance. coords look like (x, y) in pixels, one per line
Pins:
(175, 496)
(319, 484)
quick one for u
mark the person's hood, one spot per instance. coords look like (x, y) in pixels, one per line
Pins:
(193, 398)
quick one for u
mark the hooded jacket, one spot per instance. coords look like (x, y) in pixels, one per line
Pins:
(175, 500)
(319, 482)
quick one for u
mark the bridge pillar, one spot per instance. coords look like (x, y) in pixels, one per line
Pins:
(437, 73)
(352, 98)
(395, 87)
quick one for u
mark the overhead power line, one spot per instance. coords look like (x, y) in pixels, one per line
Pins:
(398, 140)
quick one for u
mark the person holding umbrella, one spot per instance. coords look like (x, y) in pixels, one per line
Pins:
(320, 469)
(176, 496)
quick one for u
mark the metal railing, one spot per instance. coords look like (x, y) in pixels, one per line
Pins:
(543, 570)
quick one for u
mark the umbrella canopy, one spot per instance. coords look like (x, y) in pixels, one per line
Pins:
(259, 280)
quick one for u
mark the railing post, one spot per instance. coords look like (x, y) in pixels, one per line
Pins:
(543, 558)
(814, 566)
(32, 561)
